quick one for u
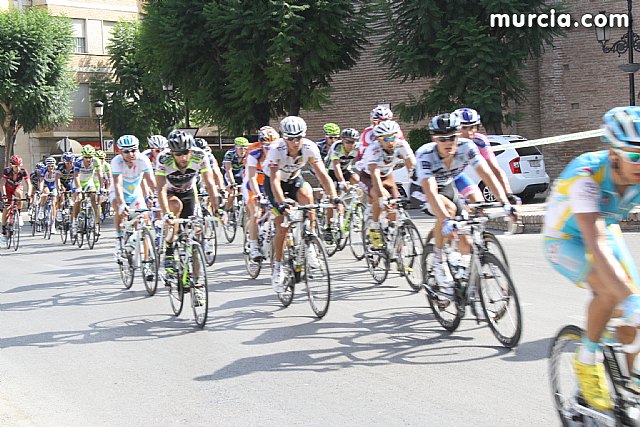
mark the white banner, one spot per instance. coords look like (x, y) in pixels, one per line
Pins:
(551, 140)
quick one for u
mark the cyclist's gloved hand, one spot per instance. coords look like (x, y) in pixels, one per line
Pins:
(342, 185)
(283, 207)
(509, 209)
(513, 199)
(449, 226)
(383, 202)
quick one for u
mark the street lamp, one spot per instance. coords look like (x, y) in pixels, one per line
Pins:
(627, 44)
(167, 86)
(99, 109)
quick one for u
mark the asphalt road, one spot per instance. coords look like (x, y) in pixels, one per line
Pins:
(76, 348)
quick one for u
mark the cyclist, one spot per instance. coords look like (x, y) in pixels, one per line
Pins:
(285, 159)
(106, 177)
(83, 172)
(64, 179)
(377, 115)
(438, 163)
(470, 121)
(584, 243)
(253, 184)
(218, 180)
(157, 144)
(11, 186)
(331, 135)
(376, 172)
(125, 192)
(34, 177)
(47, 185)
(176, 182)
(233, 164)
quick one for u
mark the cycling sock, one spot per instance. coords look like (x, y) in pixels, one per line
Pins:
(375, 225)
(437, 255)
(277, 264)
(631, 309)
(587, 352)
(119, 234)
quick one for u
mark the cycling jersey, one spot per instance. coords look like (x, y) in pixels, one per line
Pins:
(367, 137)
(106, 172)
(65, 175)
(484, 146)
(338, 152)
(290, 167)
(429, 163)
(86, 173)
(49, 179)
(13, 180)
(237, 163)
(255, 157)
(179, 181)
(375, 154)
(131, 177)
(153, 156)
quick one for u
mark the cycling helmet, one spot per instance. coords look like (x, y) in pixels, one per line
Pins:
(293, 127)
(381, 113)
(386, 127)
(128, 141)
(622, 127)
(101, 154)
(40, 166)
(49, 161)
(467, 116)
(241, 141)
(157, 142)
(267, 134)
(331, 129)
(200, 143)
(443, 124)
(88, 151)
(350, 133)
(180, 140)
(15, 160)
(68, 157)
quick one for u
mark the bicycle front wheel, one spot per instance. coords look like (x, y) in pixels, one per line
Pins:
(210, 240)
(410, 255)
(47, 223)
(125, 263)
(150, 263)
(317, 277)
(356, 232)
(90, 227)
(447, 312)
(495, 247)
(564, 383)
(63, 229)
(16, 230)
(199, 286)
(9, 236)
(286, 296)
(499, 301)
(253, 266)
(176, 288)
(230, 227)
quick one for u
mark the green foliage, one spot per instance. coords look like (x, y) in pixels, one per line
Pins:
(35, 81)
(134, 100)
(242, 62)
(473, 64)
(418, 137)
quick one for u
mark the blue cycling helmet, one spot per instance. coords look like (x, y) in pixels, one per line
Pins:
(40, 166)
(68, 157)
(622, 127)
(444, 124)
(467, 116)
(128, 141)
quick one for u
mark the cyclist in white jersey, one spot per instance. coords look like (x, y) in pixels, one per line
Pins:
(128, 170)
(284, 162)
(439, 162)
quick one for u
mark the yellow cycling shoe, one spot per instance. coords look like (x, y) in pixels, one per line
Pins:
(593, 385)
(375, 238)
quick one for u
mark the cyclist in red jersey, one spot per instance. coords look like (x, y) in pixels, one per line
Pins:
(11, 186)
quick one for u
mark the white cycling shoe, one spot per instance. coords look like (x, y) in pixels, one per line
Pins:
(277, 279)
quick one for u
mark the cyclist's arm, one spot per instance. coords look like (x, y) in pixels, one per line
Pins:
(3, 181)
(117, 188)
(27, 182)
(150, 181)
(430, 190)
(41, 184)
(487, 176)
(207, 177)
(325, 181)
(76, 180)
(228, 170)
(100, 178)
(161, 182)
(410, 163)
(276, 187)
(217, 175)
(253, 179)
(500, 174)
(337, 169)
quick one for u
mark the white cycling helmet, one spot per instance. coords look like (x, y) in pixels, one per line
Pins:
(158, 142)
(381, 113)
(386, 127)
(127, 141)
(293, 127)
(49, 161)
(467, 116)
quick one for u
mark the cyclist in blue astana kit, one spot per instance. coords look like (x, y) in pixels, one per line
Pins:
(584, 243)
(126, 192)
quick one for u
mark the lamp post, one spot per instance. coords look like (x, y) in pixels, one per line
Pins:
(627, 44)
(99, 109)
(167, 86)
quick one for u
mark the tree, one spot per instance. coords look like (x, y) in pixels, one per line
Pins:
(134, 100)
(242, 62)
(471, 63)
(35, 81)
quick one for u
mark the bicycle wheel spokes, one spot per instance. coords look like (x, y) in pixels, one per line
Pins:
(9, 236)
(495, 247)
(16, 230)
(317, 276)
(176, 290)
(199, 286)
(253, 267)
(356, 230)
(127, 272)
(286, 296)
(210, 240)
(410, 255)
(149, 262)
(500, 301)
(47, 223)
(448, 313)
(230, 227)
(90, 227)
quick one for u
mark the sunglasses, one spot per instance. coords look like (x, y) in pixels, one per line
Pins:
(387, 138)
(447, 138)
(297, 138)
(129, 150)
(332, 137)
(181, 153)
(628, 156)
(349, 141)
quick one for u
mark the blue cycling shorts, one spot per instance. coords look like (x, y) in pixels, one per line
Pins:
(464, 185)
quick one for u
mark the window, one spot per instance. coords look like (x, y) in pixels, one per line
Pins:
(107, 30)
(79, 36)
(80, 105)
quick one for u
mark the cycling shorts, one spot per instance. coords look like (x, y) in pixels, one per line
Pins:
(387, 182)
(450, 193)
(346, 173)
(237, 179)
(188, 200)
(289, 189)
(247, 194)
(464, 185)
(570, 258)
(133, 203)
(10, 191)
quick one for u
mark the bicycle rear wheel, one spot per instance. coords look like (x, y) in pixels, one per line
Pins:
(90, 227)
(253, 267)
(495, 247)
(47, 223)
(317, 276)
(210, 240)
(149, 262)
(356, 232)
(499, 301)
(199, 286)
(410, 255)
(447, 313)
(286, 296)
(63, 228)
(9, 236)
(230, 227)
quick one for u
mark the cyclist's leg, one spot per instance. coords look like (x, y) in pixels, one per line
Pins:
(390, 185)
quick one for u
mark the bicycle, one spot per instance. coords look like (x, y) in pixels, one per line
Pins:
(484, 284)
(297, 263)
(138, 252)
(347, 226)
(569, 403)
(86, 223)
(190, 270)
(33, 213)
(13, 224)
(266, 234)
(63, 225)
(235, 216)
(209, 240)
(402, 244)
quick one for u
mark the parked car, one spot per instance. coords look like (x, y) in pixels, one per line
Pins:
(524, 167)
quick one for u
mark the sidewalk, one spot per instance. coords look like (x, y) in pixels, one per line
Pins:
(533, 219)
